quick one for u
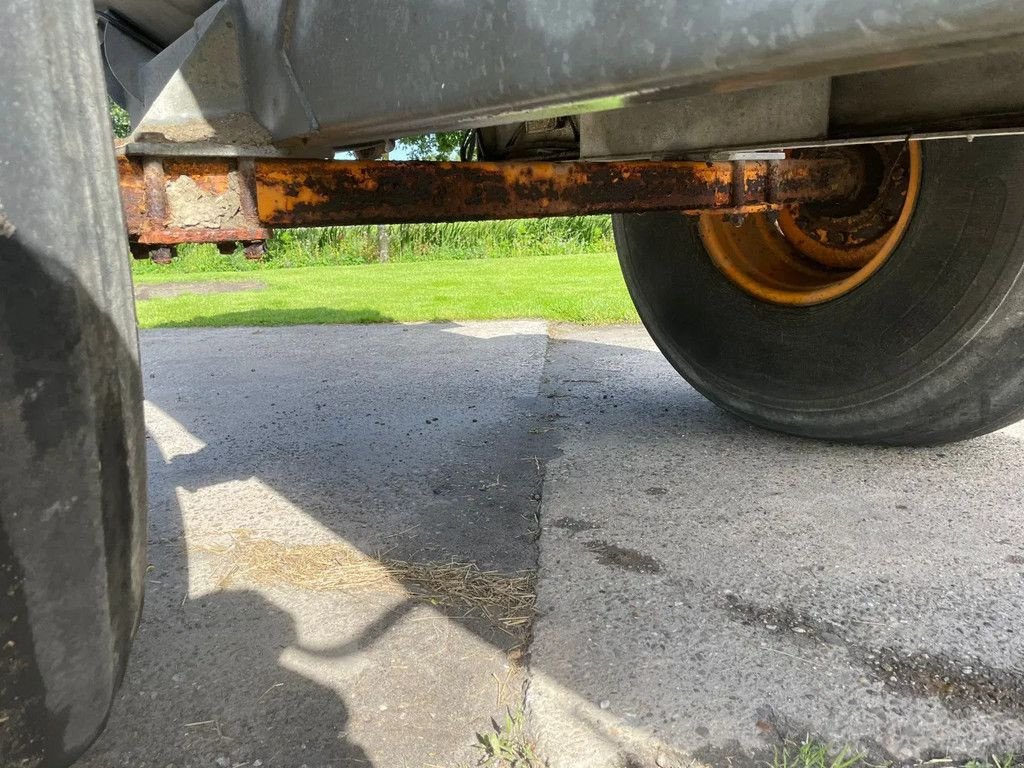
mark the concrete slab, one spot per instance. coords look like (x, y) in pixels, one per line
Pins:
(708, 589)
(411, 443)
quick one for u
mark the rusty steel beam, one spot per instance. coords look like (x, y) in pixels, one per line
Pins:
(293, 193)
(169, 201)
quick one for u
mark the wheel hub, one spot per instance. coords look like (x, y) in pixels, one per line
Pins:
(815, 252)
(846, 235)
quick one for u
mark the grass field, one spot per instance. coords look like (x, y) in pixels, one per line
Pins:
(452, 241)
(581, 288)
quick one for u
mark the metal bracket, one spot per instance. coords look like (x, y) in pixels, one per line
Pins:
(196, 99)
(172, 201)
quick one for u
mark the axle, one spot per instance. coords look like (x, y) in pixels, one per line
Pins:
(221, 200)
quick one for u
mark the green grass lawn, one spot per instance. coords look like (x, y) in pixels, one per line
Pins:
(581, 288)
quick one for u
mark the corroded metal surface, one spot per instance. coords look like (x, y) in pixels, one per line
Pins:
(301, 193)
(171, 201)
(812, 253)
(847, 235)
(222, 200)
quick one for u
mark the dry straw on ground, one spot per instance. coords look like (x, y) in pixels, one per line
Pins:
(506, 600)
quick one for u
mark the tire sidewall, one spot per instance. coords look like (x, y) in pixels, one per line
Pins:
(928, 349)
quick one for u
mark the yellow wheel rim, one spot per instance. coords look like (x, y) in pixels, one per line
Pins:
(811, 254)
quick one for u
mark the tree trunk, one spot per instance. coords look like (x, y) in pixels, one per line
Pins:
(383, 243)
(383, 236)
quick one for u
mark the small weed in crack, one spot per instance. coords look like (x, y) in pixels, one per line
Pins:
(813, 754)
(506, 746)
(996, 761)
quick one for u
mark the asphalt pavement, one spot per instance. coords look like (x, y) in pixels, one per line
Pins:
(705, 589)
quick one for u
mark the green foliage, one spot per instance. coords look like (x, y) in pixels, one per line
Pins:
(433, 146)
(333, 246)
(581, 288)
(997, 761)
(811, 754)
(506, 746)
(119, 120)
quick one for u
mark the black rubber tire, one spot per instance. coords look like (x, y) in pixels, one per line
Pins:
(929, 350)
(72, 475)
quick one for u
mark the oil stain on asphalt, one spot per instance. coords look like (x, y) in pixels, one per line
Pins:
(960, 684)
(621, 557)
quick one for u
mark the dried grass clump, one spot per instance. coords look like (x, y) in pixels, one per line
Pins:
(507, 600)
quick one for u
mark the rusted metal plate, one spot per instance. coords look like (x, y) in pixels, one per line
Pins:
(169, 201)
(133, 192)
(294, 193)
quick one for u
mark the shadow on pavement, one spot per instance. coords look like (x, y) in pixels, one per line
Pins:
(412, 444)
(425, 444)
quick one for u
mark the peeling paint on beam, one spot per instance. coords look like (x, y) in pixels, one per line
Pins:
(293, 193)
(222, 200)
